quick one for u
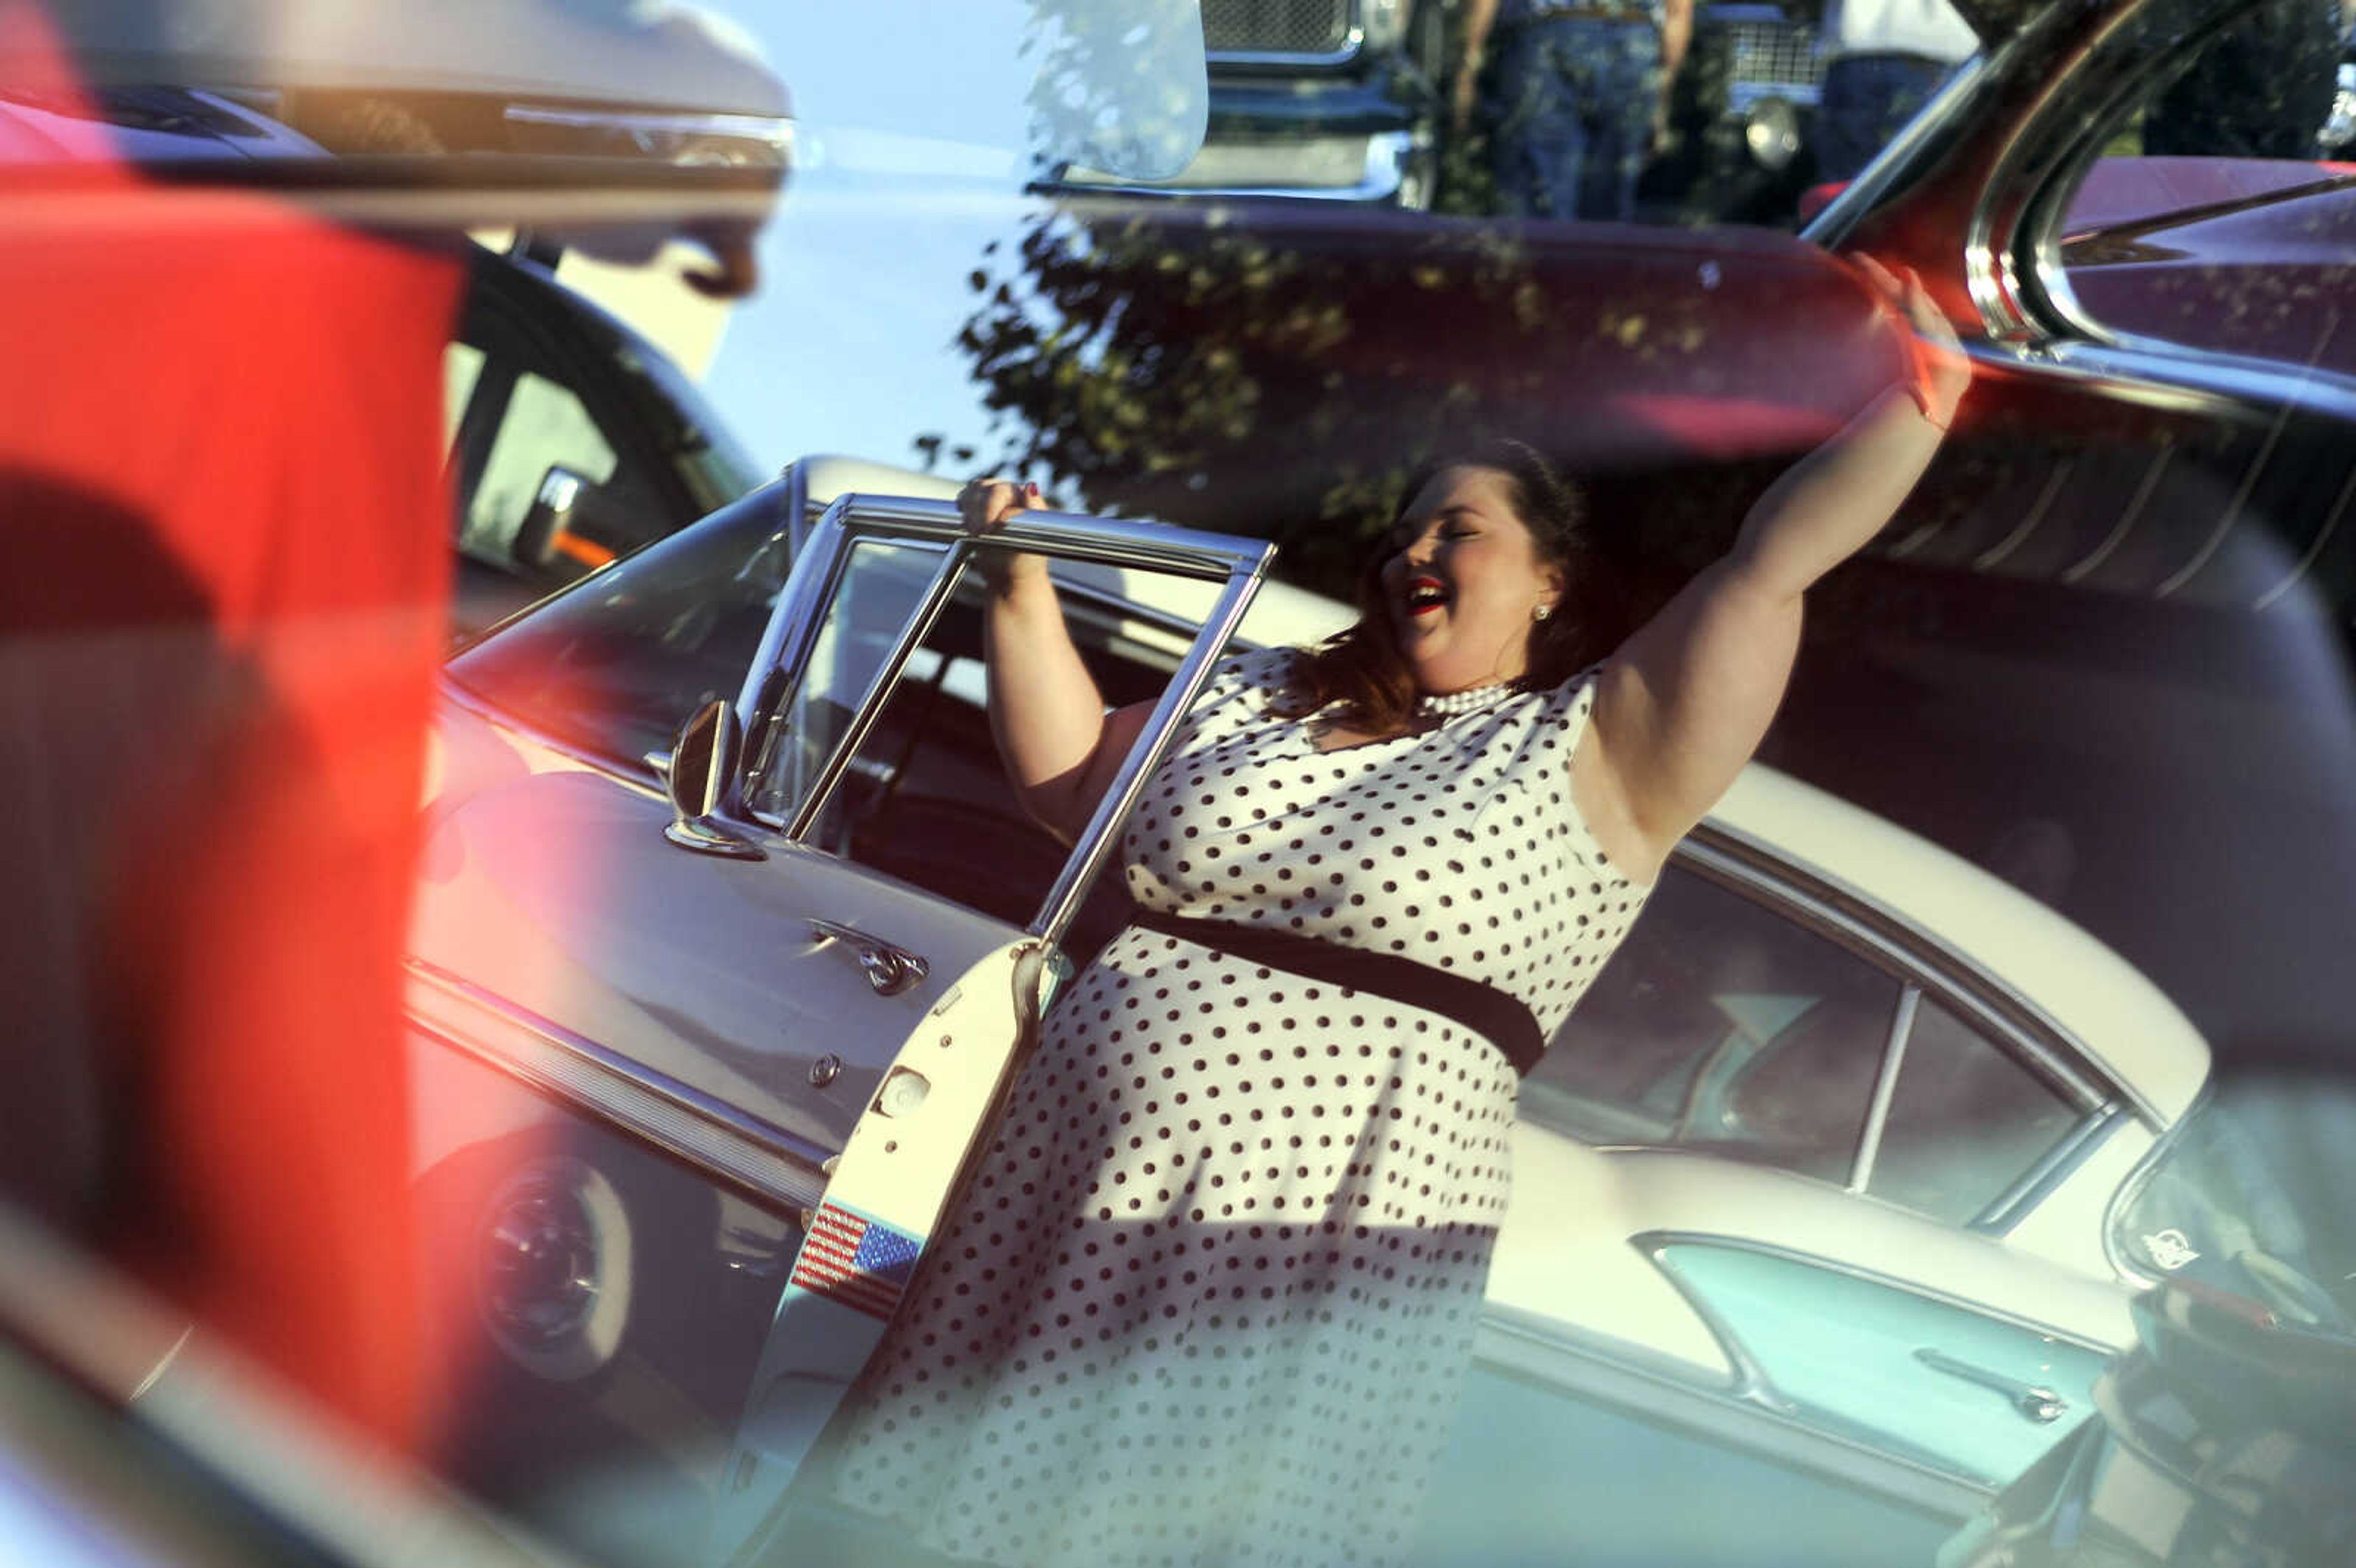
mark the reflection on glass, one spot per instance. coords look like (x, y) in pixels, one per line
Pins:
(1722, 1024)
(881, 586)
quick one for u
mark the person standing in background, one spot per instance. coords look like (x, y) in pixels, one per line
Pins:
(1576, 97)
(1884, 60)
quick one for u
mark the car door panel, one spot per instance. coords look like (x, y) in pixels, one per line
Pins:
(1582, 1270)
(1558, 1457)
(595, 1306)
(1964, 1389)
(560, 894)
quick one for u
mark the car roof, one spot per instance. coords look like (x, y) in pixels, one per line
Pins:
(2023, 948)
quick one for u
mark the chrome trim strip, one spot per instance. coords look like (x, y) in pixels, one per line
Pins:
(1663, 1397)
(1097, 840)
(1353, 44)
(1388, 154)
(1885, 1087)
(765, 1161)
(774, 131)
(2058, 1164)
(1848, 917)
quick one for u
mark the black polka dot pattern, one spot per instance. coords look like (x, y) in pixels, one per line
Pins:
(1212, 1295)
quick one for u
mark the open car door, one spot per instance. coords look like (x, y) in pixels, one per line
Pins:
(759, 1029)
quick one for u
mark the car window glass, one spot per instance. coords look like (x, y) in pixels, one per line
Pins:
(545, 425)
(881, 585)
(2213, 206)
(1967, 1120)
(923, 796)
(462, 367)
(1721, 1024)
(612, 667)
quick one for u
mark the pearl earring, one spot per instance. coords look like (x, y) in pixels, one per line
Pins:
(1541, 612)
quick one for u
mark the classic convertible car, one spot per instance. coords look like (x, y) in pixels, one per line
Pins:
(2102, 653)
(1836, 1076)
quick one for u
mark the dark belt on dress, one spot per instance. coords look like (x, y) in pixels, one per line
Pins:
(1501, 1019)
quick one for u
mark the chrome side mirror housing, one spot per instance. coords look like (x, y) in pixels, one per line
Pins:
(703, 758)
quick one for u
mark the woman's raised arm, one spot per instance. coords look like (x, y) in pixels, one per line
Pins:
(1684, 704)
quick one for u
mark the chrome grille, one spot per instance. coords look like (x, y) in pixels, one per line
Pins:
(1276, 26)
(1772, 55)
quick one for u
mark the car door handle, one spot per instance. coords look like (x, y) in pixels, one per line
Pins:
(2037, 1402)
(890, 969)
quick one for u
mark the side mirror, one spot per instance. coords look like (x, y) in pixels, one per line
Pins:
(703, 760)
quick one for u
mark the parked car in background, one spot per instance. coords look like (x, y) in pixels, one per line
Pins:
(571, 438)
(1742, 114)
(1347, 100)
(1323, 100)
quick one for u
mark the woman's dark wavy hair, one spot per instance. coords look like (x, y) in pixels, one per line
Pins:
(1364, 669)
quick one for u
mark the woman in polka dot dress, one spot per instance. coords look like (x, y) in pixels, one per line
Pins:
(1210, 1296)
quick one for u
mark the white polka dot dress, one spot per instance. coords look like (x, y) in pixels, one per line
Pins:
(1211, 1296)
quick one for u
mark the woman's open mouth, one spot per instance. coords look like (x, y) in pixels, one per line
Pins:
(1425, 596)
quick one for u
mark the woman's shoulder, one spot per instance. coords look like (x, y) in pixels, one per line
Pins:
(1265, 671)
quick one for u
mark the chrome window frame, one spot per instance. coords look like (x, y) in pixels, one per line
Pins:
(1922, 965)
(1239, 565)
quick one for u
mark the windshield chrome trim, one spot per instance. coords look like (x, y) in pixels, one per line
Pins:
(761, 1159)
(1858, 922)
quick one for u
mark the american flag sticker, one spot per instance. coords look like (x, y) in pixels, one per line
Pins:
(861, 1262)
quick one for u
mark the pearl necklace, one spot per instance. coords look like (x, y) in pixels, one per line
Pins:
(1447, 704)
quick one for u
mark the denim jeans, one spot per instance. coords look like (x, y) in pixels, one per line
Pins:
(1569, 113)
(1867, 100)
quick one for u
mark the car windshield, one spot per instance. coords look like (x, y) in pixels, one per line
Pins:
(1661, 875)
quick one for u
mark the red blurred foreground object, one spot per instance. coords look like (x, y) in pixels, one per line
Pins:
(222, 509)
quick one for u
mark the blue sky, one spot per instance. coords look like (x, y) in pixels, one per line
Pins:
(912, 117)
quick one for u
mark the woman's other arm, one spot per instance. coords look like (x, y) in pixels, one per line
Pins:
(1061, 749)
